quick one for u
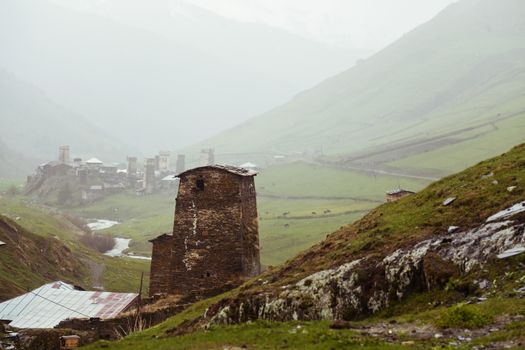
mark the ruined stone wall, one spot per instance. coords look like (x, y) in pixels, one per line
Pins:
(210, 225)
(161, 266)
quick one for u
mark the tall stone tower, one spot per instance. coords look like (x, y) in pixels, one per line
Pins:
(149, 175)
(181, 163)
(207, 156)
(132, 166)
(63, 154)
(164, 160)
(215, 236)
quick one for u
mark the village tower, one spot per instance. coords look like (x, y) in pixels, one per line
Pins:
(215, 236)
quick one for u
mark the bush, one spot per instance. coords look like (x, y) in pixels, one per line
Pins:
(100, 243)
(80, 223)
(463, 316)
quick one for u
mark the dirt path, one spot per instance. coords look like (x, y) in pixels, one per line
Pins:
(97, 271)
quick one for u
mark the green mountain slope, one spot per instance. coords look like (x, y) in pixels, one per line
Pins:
(43, 245)
(14, 165)
(28, 260)
(401, 266)
(33, 125)
(456, 78)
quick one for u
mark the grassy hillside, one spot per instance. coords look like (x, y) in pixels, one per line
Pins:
(298, 204)
(43, 245)
(454, 83)
(28, 260)
(460, 314)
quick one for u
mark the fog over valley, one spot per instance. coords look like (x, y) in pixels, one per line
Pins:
(167, 74)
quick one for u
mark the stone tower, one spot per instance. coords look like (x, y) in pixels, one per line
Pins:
(132, 166)
(63, 154)
(215, 237)
(164, 160)
(181, 163)
(207, 156)
(149, 175)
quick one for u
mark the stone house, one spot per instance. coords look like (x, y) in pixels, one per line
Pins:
(215, 237)
(397, 194)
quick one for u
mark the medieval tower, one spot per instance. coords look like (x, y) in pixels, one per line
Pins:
(215, 236)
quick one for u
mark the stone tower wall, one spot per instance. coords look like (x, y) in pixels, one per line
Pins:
(249, 228)
(212, 228)
(161, 271)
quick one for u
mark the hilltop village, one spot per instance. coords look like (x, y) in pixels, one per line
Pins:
(75, 181)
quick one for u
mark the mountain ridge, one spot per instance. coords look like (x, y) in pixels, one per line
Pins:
(427, 84)
(34, 126)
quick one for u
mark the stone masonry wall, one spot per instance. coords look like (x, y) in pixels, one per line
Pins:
(215, 230)
(161, 265)
(250, 229)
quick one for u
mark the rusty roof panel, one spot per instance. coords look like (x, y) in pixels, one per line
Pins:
(47, 306)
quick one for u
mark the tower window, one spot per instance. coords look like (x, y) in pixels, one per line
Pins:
(200, 184)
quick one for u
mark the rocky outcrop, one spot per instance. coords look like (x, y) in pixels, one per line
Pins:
(367, 285)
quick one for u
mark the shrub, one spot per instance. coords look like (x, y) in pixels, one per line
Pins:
(80, 223)
(463, 316)
(100, 243)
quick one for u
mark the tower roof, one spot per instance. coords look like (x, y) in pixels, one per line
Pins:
(228, 168)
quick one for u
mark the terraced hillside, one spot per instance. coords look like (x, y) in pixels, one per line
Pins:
(421, 272)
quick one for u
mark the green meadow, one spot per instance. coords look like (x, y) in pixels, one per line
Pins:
(298, 204)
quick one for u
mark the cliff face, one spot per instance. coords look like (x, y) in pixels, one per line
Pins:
(420, 244)
(368, 285)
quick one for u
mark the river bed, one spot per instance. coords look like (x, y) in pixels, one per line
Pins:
(121, 244)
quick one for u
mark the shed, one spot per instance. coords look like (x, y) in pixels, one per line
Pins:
(397, 194)
(48, 305)
(68, 342)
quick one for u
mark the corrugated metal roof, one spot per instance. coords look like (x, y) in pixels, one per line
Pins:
(94, 161)
(46, 306)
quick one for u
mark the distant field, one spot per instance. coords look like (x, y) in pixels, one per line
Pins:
(449, 159)
(298, 204)
(5, 184)
(303, 179)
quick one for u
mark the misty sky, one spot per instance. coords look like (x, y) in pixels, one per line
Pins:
(370, 24)
(175, 72)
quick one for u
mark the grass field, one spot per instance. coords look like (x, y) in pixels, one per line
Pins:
(5, 184)
(298, 204)
(452, 158)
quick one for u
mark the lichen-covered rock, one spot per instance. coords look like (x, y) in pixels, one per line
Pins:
(368, 285)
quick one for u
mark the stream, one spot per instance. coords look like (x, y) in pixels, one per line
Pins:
(121, 244)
